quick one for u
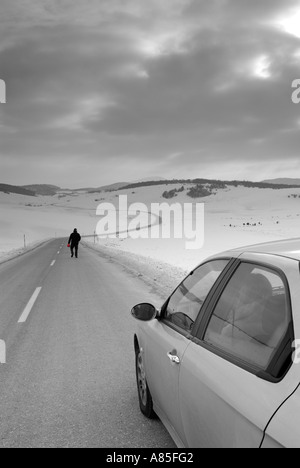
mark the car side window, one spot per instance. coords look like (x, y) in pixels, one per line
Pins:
(252, 316)
(185, 304)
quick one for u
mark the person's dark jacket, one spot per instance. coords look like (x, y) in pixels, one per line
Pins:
(75, 238)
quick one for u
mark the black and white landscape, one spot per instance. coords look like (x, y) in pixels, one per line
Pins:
(169, 102)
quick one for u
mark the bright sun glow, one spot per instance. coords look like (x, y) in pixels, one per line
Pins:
(291, 24)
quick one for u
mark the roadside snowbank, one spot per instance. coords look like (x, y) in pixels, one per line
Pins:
(162, 277)
(11, 254)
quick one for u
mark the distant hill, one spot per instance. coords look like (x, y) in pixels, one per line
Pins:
(18, 190)
(51, 190)
(44, 189)
(109, 188)
(149, 179)
(283, 181)
(215, 183)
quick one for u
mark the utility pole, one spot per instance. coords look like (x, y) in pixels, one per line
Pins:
(24, 241)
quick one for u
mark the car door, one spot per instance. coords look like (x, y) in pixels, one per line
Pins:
(233, 374)
(168, 339)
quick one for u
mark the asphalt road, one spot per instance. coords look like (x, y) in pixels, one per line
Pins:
(69, 379)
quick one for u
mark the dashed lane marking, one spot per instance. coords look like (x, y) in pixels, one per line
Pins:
(29, 306)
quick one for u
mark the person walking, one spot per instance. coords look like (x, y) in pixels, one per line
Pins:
(74, 240)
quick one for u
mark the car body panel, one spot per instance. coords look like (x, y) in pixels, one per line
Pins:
(156, 340)
(223, 405)
(208, 401)
(284, 429)
(287, 248)
(270, 443)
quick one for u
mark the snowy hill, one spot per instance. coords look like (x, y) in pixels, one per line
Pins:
(108, 188)
(14, 189)
(234, 216)
(283, 181)
(42, 189)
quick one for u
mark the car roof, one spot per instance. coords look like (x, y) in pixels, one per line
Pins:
(289, 248)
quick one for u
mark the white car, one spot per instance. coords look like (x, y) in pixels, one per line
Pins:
(218, 363)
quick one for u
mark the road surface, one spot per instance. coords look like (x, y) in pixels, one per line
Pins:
(69, 380)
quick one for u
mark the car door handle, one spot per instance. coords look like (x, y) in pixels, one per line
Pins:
(173, 358)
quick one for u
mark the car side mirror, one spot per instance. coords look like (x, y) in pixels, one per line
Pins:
(144, 312)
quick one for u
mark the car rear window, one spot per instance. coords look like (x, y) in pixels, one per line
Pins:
(252, 316)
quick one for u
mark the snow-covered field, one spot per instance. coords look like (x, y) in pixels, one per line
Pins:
(234, 216)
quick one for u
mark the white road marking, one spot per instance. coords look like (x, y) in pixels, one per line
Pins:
(29, 306)
(53, 263)
(2, 352)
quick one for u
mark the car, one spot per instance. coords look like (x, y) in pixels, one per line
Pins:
(217, 363)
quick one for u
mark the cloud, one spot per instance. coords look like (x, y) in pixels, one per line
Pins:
(170, 85)
(84, 110)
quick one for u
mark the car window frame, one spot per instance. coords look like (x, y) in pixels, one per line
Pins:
(272, 373)
(191, 334)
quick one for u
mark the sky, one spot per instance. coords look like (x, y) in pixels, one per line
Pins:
(103, 91)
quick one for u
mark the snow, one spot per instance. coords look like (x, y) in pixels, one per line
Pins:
(234, 216)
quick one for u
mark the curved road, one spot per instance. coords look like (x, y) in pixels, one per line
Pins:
(69, 380)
